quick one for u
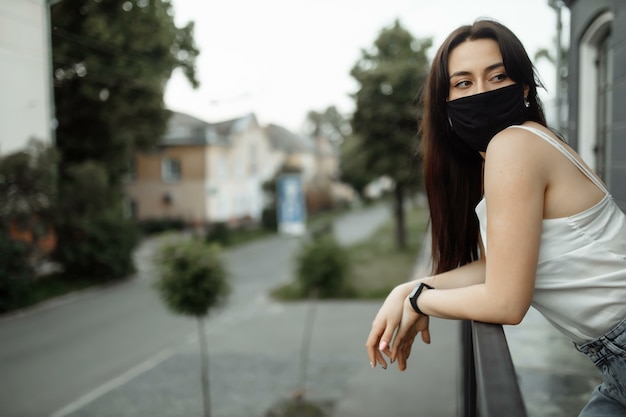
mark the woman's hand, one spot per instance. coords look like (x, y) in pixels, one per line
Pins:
(410, 325)
(389, 318)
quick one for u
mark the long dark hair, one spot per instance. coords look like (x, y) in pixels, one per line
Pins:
(453, 172)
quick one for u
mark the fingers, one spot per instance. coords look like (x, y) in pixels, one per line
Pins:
(385, 347)
(376, 345)
(401, 336)
(405, 336)
(403, 354)
(387, 337)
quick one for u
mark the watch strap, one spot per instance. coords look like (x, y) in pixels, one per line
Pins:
(415, 294)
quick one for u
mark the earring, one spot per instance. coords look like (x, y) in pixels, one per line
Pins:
(526, 102)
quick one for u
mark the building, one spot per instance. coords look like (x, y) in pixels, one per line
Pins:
(597, 88)
(203, 172)
(25, 75)
(297, 151)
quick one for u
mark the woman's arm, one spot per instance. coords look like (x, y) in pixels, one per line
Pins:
(515, 183)
(390, 313)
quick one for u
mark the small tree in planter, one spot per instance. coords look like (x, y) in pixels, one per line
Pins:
(322, 270)
(193, 280)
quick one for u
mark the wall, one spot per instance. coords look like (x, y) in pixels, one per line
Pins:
(188, 196)
(583, 16)
(24, 73)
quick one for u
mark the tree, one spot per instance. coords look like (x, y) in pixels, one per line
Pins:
(390, 77)
(337, 128)
(329, 123)
(112, 60)
(96, 241)
(193, 280)
(353, 163)
(28, 192)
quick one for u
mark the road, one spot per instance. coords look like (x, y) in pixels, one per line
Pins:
(56, 357)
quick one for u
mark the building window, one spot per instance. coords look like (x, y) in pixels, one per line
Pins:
(594, 95)
(222, 167)
(604, 113)
(239, 168)
(170, 170)
(253, 159)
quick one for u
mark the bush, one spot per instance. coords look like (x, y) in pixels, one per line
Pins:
(193, 278)
(16, 274)
(219, 233)
(323, 264)
(153, 226)
(269, 218)
(98, 247)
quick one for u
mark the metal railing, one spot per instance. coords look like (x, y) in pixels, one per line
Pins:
(489, 383)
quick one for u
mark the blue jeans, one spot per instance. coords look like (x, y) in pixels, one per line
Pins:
(608, 353)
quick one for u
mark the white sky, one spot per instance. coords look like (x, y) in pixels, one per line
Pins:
(281, 58)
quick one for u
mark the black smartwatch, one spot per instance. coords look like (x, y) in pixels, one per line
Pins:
(415, 294)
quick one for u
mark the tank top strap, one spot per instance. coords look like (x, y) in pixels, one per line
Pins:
(555, 143)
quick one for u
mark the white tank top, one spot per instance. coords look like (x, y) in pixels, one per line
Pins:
(580, 285)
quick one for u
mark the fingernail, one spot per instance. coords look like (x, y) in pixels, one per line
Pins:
(382, 345)
(371, 364)
(385, 368)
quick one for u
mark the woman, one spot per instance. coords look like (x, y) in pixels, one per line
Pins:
(517, 217)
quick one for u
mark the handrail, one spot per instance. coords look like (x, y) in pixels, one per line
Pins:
(489, 384)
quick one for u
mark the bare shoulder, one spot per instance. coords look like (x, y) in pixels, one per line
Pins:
(518, 150)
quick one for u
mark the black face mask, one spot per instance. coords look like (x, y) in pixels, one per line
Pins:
(478, 118)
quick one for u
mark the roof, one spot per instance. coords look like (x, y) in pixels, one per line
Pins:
(287, 141)
(183, 129)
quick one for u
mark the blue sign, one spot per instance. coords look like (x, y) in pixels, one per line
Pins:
(291, 206)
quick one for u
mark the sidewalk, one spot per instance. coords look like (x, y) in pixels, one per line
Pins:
(254, 364)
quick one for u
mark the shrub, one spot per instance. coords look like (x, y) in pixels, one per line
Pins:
(153, 226)
(193, 278)
(323, 264)
(269, 218)
(16, 274)
(219, 233)
(98, 247)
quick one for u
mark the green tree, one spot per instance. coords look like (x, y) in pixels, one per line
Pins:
(112, 60)
(95, 240)
(193, 280)
(28, 191)
(353, 163)
(330, 123)
(390, 77)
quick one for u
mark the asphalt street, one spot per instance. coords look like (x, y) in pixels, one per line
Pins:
(64, 355)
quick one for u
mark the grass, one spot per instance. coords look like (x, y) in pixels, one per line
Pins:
(241, 236)
(377, 265)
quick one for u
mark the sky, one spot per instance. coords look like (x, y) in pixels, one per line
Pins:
(279, 59)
